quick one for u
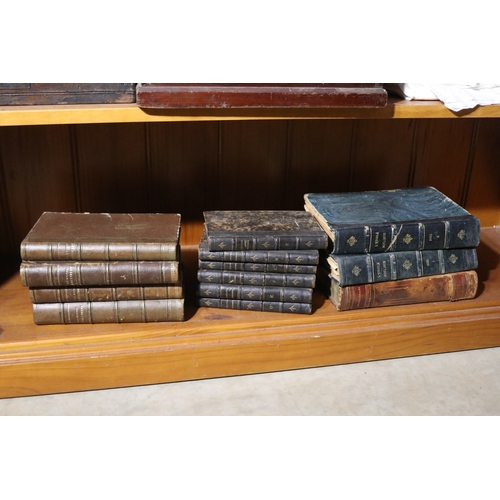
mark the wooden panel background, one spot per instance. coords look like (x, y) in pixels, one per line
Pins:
(190, 167)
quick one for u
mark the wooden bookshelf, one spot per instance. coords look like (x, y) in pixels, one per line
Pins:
(67, 162)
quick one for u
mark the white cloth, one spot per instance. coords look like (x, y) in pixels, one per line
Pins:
(455, 96)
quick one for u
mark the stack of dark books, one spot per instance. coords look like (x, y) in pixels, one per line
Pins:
(103, 268)
(259, 260)
(395, 247)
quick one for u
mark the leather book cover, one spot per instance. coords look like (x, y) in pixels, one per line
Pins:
(75, 274)
(395, 220)
(257, 279)
(357, 269)
(105, 293)
(288, 257)
(256, 267)
(121, 311)
(256, 305)
(71, 236)
(260, 95)
(244, 230)
(19, 94)
(263, 293)
(443, 287)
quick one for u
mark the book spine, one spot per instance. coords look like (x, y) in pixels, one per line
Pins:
(253, 305)
(301, 257)
(268, 294)
(74, 274)
(256, 267)
(104, 294)
(127, 311)
(99, 251)
(459, 232)
(445, 287)
(257, 279)
(246, 243)
(374, 268)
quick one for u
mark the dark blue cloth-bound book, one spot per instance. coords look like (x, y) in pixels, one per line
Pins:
(390, 266)
(396, 220)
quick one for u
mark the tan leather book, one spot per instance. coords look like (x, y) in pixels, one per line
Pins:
(122, 273)
(105, 293)
(71, 236)
(121, 311)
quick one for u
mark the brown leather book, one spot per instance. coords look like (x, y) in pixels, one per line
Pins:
(70, 236)
(120, 311)
(104, 293)
(443, 287)
(70, 274)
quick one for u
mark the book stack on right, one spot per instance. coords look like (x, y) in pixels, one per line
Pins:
(395, 247)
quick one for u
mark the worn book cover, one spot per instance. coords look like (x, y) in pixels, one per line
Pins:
(462, 285)
(256, 305)
(70, 236)
(257, 279)
(120, 311)
(122, 273)
(256, 267)
(263, 230)
(396, 220)
(105, 293)
(247, 292)
(356, 269)
(275, 257)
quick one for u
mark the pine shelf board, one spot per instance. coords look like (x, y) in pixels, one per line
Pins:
(129, 113)
(216, 342)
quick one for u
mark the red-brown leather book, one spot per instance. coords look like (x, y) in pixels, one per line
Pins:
(443, 287)
(70, 236)
(260, 95)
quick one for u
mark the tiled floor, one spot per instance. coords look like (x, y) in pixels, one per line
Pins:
(462, 383)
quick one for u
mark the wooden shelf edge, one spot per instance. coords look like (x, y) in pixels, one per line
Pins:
(119, 365)
(132, 113)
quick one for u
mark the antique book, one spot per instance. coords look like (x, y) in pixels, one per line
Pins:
(66, 93)
(71, 236)
(120, 311)
(443, 287)
(244, 230)
(70, 274)
(419, 218)
(289, 257)
(256, 267)
(261, 95)
(355, 269)
(246, 292)
(257, 279)
(105, 293)
(256, 305)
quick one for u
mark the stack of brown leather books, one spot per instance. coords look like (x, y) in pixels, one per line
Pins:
(103, 268)
(259, 260)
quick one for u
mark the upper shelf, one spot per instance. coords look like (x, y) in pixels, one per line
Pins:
(128, 113)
